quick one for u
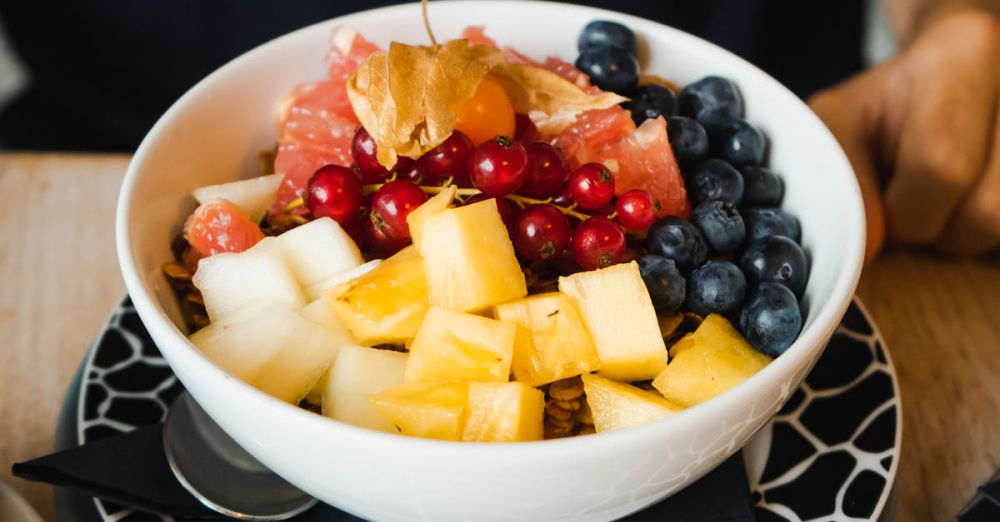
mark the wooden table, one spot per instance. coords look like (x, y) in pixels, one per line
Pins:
(59, 278)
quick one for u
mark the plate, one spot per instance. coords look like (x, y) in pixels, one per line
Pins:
(831, 453)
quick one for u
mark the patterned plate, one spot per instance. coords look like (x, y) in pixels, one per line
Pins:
(830, 454)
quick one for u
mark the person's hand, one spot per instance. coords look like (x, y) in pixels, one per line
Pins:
(922, 132)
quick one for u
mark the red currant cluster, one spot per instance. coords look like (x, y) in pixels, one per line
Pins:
(551, 214)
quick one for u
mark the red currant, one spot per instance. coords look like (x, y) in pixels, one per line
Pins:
(499, 166)
(335, 192)
(542, 232)
(450, 159)
(636, 210)
(356, 227)
(563, 198)
(524, 129)
(592, 185)
(503, 207)
(392, 203)
(379, 242)
(598, 242)
(365, 153)
(545, 173)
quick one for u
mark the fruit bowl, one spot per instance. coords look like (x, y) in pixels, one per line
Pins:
(213, 134)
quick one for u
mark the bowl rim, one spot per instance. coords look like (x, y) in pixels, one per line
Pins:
(826, 318)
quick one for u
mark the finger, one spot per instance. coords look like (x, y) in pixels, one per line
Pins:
(849, 116)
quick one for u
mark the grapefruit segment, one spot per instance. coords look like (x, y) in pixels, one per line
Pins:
(220, 226)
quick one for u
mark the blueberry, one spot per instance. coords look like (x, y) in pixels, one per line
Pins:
(677, 239)
(716, 180)
(761, 187)
(664, 282)
(737, 142)
(710, 99)
(722, 225)
(610, 69)
(776, 259)
(764, 222)
(688, 139)
(717, 287)
(771, 319)
(651, 101)
(602, 33)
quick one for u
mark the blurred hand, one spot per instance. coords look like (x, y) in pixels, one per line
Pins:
(922, 132)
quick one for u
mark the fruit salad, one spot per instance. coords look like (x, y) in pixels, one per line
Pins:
(461, 242)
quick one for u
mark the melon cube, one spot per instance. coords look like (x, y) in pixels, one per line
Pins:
(318, 250)
(452, 346)
(320, 289)
(619, 315)
(504, 412)
(320, 311)
(253, 196)
(433, 410)
(615, 405)
(440, 201)
(357, 375)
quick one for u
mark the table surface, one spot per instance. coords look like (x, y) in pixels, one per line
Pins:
(59, 279)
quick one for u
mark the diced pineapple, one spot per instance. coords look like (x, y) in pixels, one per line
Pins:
(415, 219)
(387, 304)
(504, 412)
(433, 410)
(615, 405)
(253, 196)
(452, 346)
(708, 362)
(356, 375)
(560, 346)
(231, 281)
(620, 318)
(320, 311)
(469, 259)
(318, 251)
(318, 290)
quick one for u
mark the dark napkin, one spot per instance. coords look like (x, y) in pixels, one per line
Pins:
(131, 469)
(985, 505)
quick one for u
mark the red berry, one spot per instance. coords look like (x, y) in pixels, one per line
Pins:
(503, 207)
(450, 159)
(335, 192)
(598, 242)
(636, 210)
(545, 173)
(379, 242)
(392, 203)
(542, 232)
(365, 154)
(499, 166)
(563, 198)
(524, 129)
(592, 185)
(357, 226)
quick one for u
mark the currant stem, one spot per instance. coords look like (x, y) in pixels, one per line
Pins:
(520, 200)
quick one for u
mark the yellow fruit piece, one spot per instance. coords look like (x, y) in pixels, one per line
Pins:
(616, 405)
(433, 410)
(559, 346)
(440, 201)
(710, 361)
(620, 318)
(504, 412)
(469, 259)
(452, 346)
(387, 304)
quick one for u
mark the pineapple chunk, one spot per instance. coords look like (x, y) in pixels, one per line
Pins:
(433, 410)
(469, 259)
(452, 346)
(615, 405)
(503, 412)
(231, 281)
(619, 315)
(317, 290)
(708, 362)
(387, 304)
(356, 375)
(559, 345)
(318, 251)
(253, 196)
(415, 220)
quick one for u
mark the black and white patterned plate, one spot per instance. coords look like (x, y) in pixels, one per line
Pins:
(830, 454)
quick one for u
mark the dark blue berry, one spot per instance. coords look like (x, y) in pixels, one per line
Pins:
(717, 287)
(610, 69)
(664, 282)
(771, 319)
(602, 33)
(776, 259)
(677, 239)
(710, 99)
(716, 180)
(761, 187)
(721, 224)
(764, 222)
(651, 101)
(737, 142)
(688, 140)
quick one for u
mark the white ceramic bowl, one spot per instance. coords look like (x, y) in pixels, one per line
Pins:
(214, 133)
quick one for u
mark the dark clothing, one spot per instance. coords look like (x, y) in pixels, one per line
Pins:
(102, 71)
